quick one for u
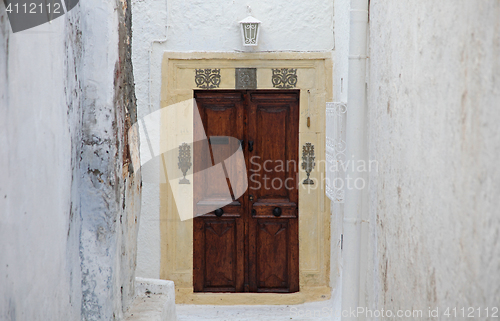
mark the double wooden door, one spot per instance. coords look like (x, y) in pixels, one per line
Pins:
(251, 244)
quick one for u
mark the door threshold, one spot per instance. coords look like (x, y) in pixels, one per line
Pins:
(307, 294)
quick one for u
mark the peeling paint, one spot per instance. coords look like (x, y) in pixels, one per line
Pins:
(72, 254)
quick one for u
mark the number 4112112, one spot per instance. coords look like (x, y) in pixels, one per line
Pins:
(471, 312)
(34, 8)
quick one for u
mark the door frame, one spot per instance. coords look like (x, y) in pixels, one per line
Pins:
(314, 79)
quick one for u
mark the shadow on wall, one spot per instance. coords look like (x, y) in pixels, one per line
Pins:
(29, 14)
(176, 145)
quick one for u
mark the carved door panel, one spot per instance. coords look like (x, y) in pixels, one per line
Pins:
(273, 120)
(218, 237)
(250, 245)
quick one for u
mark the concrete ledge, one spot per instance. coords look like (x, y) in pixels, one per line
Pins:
(145, 286)
(155, 301)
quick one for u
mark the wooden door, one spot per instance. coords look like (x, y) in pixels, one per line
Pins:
(253, 245)
(273, 120)
(218, 242)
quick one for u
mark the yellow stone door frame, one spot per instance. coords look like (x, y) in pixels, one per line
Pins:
(314, 79)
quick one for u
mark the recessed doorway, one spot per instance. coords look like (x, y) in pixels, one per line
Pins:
(251, 244)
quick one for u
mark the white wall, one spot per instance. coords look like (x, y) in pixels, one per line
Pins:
(434, 97)
(68, 209)
(342, 19)
(35, 180)
(340, 80)
(209, 26)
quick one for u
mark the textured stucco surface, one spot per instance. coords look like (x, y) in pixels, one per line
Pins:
(434, 97)
(149, 24)
(340, 79)
(35, 199)
(213, 25)
(155, 301)
(184, 26)
(69, 206)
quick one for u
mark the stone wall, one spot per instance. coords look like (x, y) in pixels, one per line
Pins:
(69, 200)
(434, 97)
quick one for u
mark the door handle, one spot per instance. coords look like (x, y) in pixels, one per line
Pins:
(218, 212)
(277, 211)
(250, 146)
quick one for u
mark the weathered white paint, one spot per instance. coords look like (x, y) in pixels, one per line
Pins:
(155, 301)
(434, 95)
(68, 210)
(178, 25)
(35, 176)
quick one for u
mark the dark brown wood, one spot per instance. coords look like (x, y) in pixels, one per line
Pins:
(253, 246)
(273, 241)
(218, 248)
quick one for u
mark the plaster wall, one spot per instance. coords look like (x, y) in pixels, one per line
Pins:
(434, 93)
(35, 199)
(69, 201)
(342, 19)
(340, 80)
(181, 26)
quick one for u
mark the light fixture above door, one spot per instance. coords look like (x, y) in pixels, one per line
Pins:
(250, 29)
